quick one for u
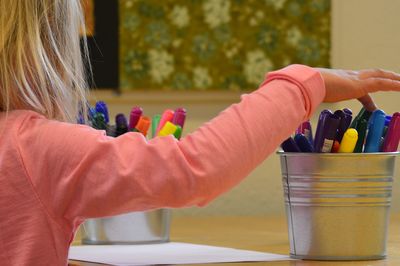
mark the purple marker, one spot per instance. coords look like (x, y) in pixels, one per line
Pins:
(179, 117)
(121, 125)
(306, 129)
(134, 117)
(318, 140)
(348, 111)
(391, 142)
(345, 120)
(290, 145)
(329, 131)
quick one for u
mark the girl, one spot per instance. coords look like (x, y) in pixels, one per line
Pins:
(54, 174)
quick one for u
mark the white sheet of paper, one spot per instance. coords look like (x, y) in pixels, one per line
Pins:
(166, 253)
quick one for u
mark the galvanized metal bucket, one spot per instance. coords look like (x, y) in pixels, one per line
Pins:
(337, 205)
(132, 228)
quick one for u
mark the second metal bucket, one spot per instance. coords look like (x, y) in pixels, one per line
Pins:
(337, 205)
(131, 228)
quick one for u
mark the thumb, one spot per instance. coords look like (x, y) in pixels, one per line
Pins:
(368, 103)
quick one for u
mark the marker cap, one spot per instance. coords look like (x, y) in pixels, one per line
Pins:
(134, 117)
(179, 117)
(168, 129)
(289, 145)
(143, 125)
(349, 141)
(121, 124)
(101, 107)
(178, 132)
(166, 116)
(375, 131)
(391, 142)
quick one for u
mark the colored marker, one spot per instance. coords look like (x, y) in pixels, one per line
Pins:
(348, 111)
(179, 117)
(391, 142)
(154, 124)
(289, 145)
(121, 125)
(330, 127)
(375, 130)
(91, 113)
(134, 117)
(318, 140)
(80, 120)
(178, 132)
(166, 116)
(168, 129)
(349, 141)
(101, 107)
(345, 120)
(387, 120)
(306, 129)
(99, 121)
(335, 147)
(362, 132)
(303, 143)
(363, 114)
(143, 125)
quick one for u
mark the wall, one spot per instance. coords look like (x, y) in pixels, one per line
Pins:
(364, 34)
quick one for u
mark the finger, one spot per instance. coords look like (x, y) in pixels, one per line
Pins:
(380, 84)
(378, 73)
(368, 103)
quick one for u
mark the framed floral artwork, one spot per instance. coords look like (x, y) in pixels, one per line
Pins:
(218, 44)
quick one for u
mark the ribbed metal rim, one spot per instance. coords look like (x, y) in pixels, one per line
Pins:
(303, 154)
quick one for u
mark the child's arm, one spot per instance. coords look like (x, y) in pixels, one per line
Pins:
(78, 172)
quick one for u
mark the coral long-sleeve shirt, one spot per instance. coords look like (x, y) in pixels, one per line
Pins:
(53, 175)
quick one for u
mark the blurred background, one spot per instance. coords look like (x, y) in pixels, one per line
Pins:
(203, 54)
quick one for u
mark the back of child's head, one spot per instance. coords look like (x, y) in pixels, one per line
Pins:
(41, 66)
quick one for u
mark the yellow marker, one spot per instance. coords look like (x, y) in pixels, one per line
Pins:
(167, 129)
(349, 141)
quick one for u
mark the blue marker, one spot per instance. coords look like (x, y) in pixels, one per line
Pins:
(375, 131)
(303, 143)
(290, 145)
(101, 107)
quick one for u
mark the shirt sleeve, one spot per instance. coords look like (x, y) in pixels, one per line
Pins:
(78, 172)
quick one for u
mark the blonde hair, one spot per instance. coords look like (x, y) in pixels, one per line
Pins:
(41, 66)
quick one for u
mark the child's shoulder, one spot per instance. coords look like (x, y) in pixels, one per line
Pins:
(14, 119)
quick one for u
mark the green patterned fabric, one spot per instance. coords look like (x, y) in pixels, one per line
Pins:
(218, 44)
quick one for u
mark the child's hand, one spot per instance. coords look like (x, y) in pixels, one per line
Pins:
(344, 84)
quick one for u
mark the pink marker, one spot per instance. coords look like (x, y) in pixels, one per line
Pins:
(166, 116)
(179, 117)
(391, 142)
(134, 117)
(306, 130)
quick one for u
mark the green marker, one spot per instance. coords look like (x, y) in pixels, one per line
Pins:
(178, 132)
(362, 131)
(99, 121)
(363, 114)
(154, 124)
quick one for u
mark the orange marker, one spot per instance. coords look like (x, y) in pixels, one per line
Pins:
(143, 125)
